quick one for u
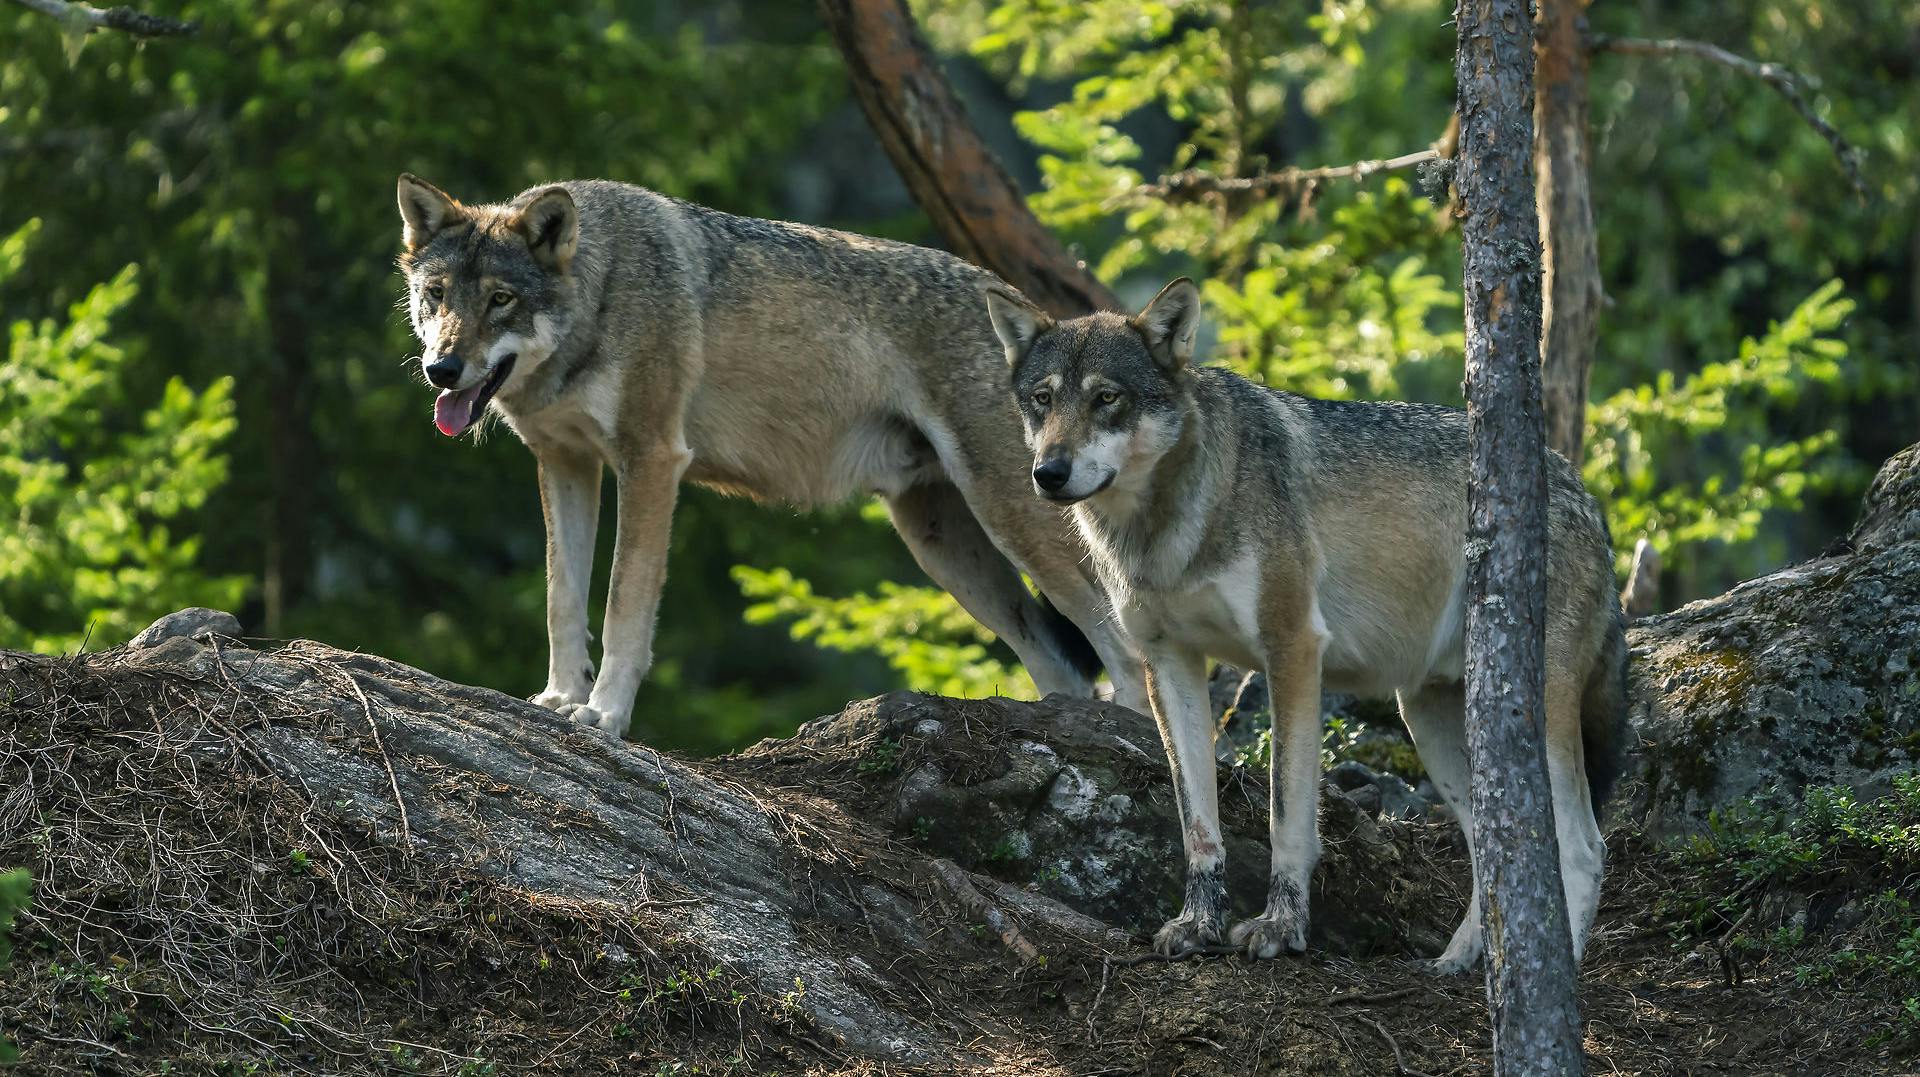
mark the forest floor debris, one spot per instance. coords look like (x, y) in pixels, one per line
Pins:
(196, 911)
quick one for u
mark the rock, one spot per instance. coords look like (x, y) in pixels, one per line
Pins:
(1807, 677)
(194, 622)
(1377, 792)
(1071, 799)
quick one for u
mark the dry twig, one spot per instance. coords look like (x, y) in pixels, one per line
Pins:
(1399, 1060)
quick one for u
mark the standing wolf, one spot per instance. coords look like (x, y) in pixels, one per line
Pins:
(1321, 542)
(612, 326)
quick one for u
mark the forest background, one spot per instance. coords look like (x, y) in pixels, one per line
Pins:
(209, 395)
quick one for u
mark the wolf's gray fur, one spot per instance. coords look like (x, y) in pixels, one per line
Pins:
(1322, 542)
(612, 326)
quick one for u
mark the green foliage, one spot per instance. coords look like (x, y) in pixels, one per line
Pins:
(921, 632)
(1712, 426)
(1834, 844)
(16, 892)
(95, 481)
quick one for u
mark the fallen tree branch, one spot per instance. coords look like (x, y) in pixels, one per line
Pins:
(125, 19)
(1788, 83)
(976, 903)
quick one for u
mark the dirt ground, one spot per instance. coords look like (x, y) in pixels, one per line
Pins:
(192, 914)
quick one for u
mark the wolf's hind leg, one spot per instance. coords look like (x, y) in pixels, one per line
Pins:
(1436, 715)
(1582, 848)
(956, 552)
(570, 502)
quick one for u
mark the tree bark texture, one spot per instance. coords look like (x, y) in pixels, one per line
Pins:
(945, 164)
(1571, 293)
(1530, 969)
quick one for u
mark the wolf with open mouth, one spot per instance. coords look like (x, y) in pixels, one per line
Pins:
(614, 329)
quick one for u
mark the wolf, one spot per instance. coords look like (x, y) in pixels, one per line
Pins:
(1323, 542)
(612, 328)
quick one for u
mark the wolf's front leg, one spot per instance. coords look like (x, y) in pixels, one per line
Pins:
(1293, 824)
(570, 501)
(646, 486)
(1177, 689)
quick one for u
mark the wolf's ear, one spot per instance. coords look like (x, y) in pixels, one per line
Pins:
(1170, 323)
(551, 225)
(425, 210)
(1016, 322)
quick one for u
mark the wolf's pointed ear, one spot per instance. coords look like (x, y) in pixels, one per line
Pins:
(551, 225)
(1170, 323)
(1016, 322)
(425, 210)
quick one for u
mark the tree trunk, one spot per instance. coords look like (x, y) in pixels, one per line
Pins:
(1530, 969)
(1572, 292)
(292, 454)
(945, 164)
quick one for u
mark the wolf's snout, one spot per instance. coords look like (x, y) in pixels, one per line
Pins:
(444, 371)
(1053, 473)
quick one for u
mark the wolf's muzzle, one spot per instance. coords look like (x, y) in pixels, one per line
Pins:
(1052, 474)
(444, 372)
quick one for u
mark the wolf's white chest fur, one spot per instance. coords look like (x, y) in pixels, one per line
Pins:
(1216, 615)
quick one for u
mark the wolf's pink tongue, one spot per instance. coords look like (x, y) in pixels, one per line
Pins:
(453, 411)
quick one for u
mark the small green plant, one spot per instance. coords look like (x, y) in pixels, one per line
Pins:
(1834, 840)
(16, 891)
(1005, 851)
(883, 759)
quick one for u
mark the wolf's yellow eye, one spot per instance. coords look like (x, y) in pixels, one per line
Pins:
(502, 298)
(1108, 398)
(1042, 397)
(436, 293)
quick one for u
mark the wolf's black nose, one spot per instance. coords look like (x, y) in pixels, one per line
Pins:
(444, 371)
(1053, 474)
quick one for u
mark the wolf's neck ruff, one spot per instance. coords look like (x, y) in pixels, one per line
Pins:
(1148, 529)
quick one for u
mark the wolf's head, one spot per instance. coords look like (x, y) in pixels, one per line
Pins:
(487, 290)
(1101, 395)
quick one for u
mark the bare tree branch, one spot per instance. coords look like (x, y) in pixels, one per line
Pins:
(124, 19)
(1289, 184)
(1790, 85)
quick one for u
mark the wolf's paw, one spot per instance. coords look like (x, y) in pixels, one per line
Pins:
(1186, 933)
(554, 699)
(1269, 936)
(591, 717)
(1450, 964)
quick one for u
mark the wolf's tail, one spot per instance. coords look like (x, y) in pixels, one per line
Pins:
(1604, 733)
(1069, 642)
